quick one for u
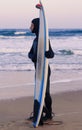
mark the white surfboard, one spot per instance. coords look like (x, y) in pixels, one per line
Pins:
(41, 67)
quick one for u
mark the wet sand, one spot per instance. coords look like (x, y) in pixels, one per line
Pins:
(67, 105)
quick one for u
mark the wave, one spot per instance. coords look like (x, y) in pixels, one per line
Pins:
(20, 33)
(64, 52)
(61, 52)
(5, 33)
(17, 60)
(65, 32)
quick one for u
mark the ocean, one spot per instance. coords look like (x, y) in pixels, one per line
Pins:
(16, 43)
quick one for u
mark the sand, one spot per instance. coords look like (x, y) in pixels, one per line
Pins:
(67, 106)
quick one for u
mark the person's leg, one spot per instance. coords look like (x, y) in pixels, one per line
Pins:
(48, 99)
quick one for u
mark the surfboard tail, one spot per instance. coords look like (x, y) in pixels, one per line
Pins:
(36, 110)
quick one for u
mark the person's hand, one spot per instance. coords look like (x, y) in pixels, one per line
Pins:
(47, 54)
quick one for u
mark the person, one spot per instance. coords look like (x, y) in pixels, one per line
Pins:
(47, 109)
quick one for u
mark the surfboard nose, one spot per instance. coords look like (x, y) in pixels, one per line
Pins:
(39, 6)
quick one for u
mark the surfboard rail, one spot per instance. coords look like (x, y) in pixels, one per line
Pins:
(41, 67)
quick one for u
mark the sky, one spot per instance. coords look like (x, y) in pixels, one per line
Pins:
(59, 13)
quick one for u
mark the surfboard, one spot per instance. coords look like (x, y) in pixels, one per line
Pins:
(41, 67)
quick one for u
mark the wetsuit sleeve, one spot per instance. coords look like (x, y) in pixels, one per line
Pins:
(30, 54)
(33, 52)
(49, 53)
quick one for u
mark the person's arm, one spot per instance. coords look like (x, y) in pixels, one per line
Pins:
(49, 53)
(30, 54)
(33, 52)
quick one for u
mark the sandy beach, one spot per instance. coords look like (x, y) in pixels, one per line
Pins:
(67, 105)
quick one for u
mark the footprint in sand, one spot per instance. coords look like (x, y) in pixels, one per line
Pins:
(6, 125)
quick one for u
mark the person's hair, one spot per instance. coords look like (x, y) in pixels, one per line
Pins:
(36, 25)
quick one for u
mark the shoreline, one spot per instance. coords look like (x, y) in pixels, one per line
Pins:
(67, 105)
(19, 84)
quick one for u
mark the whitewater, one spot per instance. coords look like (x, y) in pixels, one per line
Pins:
(16, 43)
